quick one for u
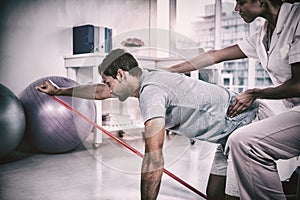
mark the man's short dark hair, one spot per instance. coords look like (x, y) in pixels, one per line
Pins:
(119, 59)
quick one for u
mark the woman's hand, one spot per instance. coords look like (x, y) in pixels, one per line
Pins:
(48, 88)
(241, 103)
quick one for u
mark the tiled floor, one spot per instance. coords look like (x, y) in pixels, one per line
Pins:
(109, 172)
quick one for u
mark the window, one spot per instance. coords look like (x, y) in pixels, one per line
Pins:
(196, 20)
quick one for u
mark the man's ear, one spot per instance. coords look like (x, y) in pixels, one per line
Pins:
(120, 75)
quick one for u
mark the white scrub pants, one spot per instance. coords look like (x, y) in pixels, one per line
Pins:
(255, 148)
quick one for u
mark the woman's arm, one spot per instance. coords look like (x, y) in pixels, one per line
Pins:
(289, 89)
(208, 58)
(95, 91)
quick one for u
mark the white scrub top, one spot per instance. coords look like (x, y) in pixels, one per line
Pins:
(284, 49)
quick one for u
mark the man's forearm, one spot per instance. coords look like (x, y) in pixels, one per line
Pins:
(153, 161)
(152, 170)
(96, 91)
(150, 184)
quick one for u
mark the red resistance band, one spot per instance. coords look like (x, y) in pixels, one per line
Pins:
(126, 145)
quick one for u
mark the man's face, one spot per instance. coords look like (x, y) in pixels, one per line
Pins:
(119, 87)
(249, 9)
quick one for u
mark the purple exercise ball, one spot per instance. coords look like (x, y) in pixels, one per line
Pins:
(51, 127)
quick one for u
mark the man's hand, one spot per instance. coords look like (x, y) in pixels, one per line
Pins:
(48, 88)
(241, 103)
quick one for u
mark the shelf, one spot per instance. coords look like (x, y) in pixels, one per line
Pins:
(123, 127)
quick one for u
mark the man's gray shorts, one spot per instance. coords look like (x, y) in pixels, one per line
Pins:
(221, 162)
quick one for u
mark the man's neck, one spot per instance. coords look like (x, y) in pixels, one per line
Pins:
(134, 83)
(136, 93)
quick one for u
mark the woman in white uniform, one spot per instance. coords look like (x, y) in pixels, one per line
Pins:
(255, 147)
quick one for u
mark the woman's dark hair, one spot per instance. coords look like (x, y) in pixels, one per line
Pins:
(275, 2)
(119, 59)
(291, 1)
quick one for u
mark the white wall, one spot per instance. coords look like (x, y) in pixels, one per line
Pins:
(36, 34)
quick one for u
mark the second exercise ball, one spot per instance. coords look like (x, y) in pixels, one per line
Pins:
(12, 121)
(51, 127)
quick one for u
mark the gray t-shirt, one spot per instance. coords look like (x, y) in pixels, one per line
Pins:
(191, 107)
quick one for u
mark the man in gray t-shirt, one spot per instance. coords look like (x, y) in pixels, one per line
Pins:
(171, 101)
